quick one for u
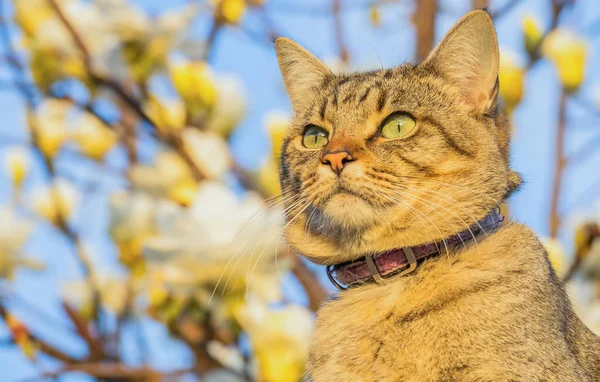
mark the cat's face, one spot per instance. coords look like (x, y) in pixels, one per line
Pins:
(390, 158)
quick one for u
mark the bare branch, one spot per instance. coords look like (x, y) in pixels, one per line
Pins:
(424, 20)
(336, 10)
(559, 165)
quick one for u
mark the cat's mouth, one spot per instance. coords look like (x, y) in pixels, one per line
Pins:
(349, 193)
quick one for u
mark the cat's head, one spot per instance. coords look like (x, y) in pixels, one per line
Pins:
(390, 158)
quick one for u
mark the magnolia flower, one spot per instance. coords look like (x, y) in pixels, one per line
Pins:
(208, 151)
(57, 202)
(219, 239)
(511, 77)
(230, 11)
(113, 294)
(131, 222)
(279, 338)
(30, 14)
(374, 15)
(17, 163)
(167, 115)
(14, 232)
(49, 124)
(230, 107)
(226, 355)
(276, 124)
(93, 137)
(568, 52)
(268, 177)
(195, 83)
(131, 215)
(168, 171)
(532, 33)
(126, 21)
(556, 255)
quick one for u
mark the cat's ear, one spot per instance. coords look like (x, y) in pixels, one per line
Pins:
(302, 72)
(468, 56)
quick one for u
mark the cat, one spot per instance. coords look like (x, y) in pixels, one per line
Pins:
(387, 173)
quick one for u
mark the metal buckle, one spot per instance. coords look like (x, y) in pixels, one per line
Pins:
(379, 278)
(329, 270)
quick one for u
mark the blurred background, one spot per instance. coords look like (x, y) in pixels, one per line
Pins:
(140, 215)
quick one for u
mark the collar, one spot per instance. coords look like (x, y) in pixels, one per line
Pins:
(397, 262)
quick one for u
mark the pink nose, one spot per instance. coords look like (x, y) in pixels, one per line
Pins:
(337, 160)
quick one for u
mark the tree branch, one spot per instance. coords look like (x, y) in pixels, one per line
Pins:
(315, 291)
(559, 165)
(336, 10)
(424, 20)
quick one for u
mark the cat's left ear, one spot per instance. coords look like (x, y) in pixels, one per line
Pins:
(468, 56)
(302, 72)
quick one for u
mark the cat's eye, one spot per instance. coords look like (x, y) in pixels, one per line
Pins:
(315, 137)
(398, 126)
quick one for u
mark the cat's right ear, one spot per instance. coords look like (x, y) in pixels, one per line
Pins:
(302, 72)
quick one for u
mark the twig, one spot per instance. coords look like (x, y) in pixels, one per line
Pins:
(336, 10)
(559, 165)
(42, 345)
(315, 291)
(480, 4)
(212, 37)
(114, 370)
(592, 232)
(424, 20)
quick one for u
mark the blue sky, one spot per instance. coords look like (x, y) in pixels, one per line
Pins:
(255, 64)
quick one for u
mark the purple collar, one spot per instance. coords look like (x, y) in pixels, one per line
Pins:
(397, 262)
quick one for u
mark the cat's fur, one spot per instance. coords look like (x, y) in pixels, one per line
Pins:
(494, 311)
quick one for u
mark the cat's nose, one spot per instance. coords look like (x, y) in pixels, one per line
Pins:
(337, 160)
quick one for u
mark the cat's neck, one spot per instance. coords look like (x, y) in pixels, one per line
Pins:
(380, 268)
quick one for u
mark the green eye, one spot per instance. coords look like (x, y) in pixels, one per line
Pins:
(398, 126)
(315, 137)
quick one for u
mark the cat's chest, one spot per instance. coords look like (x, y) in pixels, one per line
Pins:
(452, 336)
(397, 348)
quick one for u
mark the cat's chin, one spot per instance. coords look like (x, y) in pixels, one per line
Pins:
(350, 211)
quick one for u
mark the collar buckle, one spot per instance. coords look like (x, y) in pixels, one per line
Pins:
(379, 278)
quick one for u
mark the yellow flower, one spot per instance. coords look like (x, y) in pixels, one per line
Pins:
(145, 57)
(164, 177)
(276, 124)
(49, 126)
(556, 255)
(375, 15)
(113, 293)
(30, 14)
(57, 202)
(14, 233)
(568, 52)
(195, 84)
(157, 290)
(166, 115)
(93, 137)
(532, 33)
(230, 11)
(20, 334)
(208, 151)
(230, 107)
(279, 339)
(184, 192)
(511, 76)
(17, 162)
(268, 177)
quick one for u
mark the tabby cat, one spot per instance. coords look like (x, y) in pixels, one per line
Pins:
(387, 174)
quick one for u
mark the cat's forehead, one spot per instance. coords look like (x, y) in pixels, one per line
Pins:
(347, 100)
